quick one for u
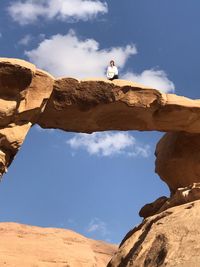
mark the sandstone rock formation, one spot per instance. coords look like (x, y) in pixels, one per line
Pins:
(31, 96)
(151, 209)
(171, 238)
(181, 196)
(24, 91)
(89, 106)
(178, 159)
(28, 246)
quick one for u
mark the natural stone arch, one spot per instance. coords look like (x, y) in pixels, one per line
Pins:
(29, 96)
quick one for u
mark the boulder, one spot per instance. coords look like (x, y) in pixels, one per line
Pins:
(178, 159)
(151, 209)
(181, 196)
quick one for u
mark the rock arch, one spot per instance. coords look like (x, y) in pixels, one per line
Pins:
(31, 96)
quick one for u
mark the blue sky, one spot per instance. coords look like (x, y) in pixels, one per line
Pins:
(95, 185)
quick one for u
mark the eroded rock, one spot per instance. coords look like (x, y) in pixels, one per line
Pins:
(89, 106)
(178, 159)
(15, 76)
(29, 96)
(24, 91)
(11, 139)
(34, 98)
(151, 209)
(171, 238)
(180, 197)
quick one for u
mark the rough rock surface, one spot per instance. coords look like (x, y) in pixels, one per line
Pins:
(11, 139)
(178, 159)
(151, 209)
(29, 95)
(171, 238)
(24, 91)
(89, 105)
(181, 196)
(28, 246)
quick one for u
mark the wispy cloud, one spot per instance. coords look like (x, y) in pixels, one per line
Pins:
(25, 40)
(29, 11)
(154, 78)
(109, 144)
(97, 226)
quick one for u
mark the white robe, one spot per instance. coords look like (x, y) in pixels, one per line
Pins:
(111, 72)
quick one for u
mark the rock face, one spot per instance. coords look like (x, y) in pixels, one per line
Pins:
(171, 238)
(181, 196)
(89, 106)
(28, 246)
(29, 95)
(178, 159)
(24, 91)
(151, 209)
(168, 236)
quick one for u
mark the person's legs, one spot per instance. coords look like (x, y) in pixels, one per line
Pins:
(114, 78)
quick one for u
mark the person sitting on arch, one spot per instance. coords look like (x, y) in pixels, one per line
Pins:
(112, 71)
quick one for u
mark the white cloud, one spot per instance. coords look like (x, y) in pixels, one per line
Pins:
(41, 36)
(152, 78)
(109, 144)
(25, 40)
(29, 11)
(67, 55)
(98, 226)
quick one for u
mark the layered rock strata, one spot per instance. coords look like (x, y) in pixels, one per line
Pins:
(28, 246)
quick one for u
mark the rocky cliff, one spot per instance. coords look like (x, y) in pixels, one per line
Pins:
(170, 238)
(31, 96)
(24, 91)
